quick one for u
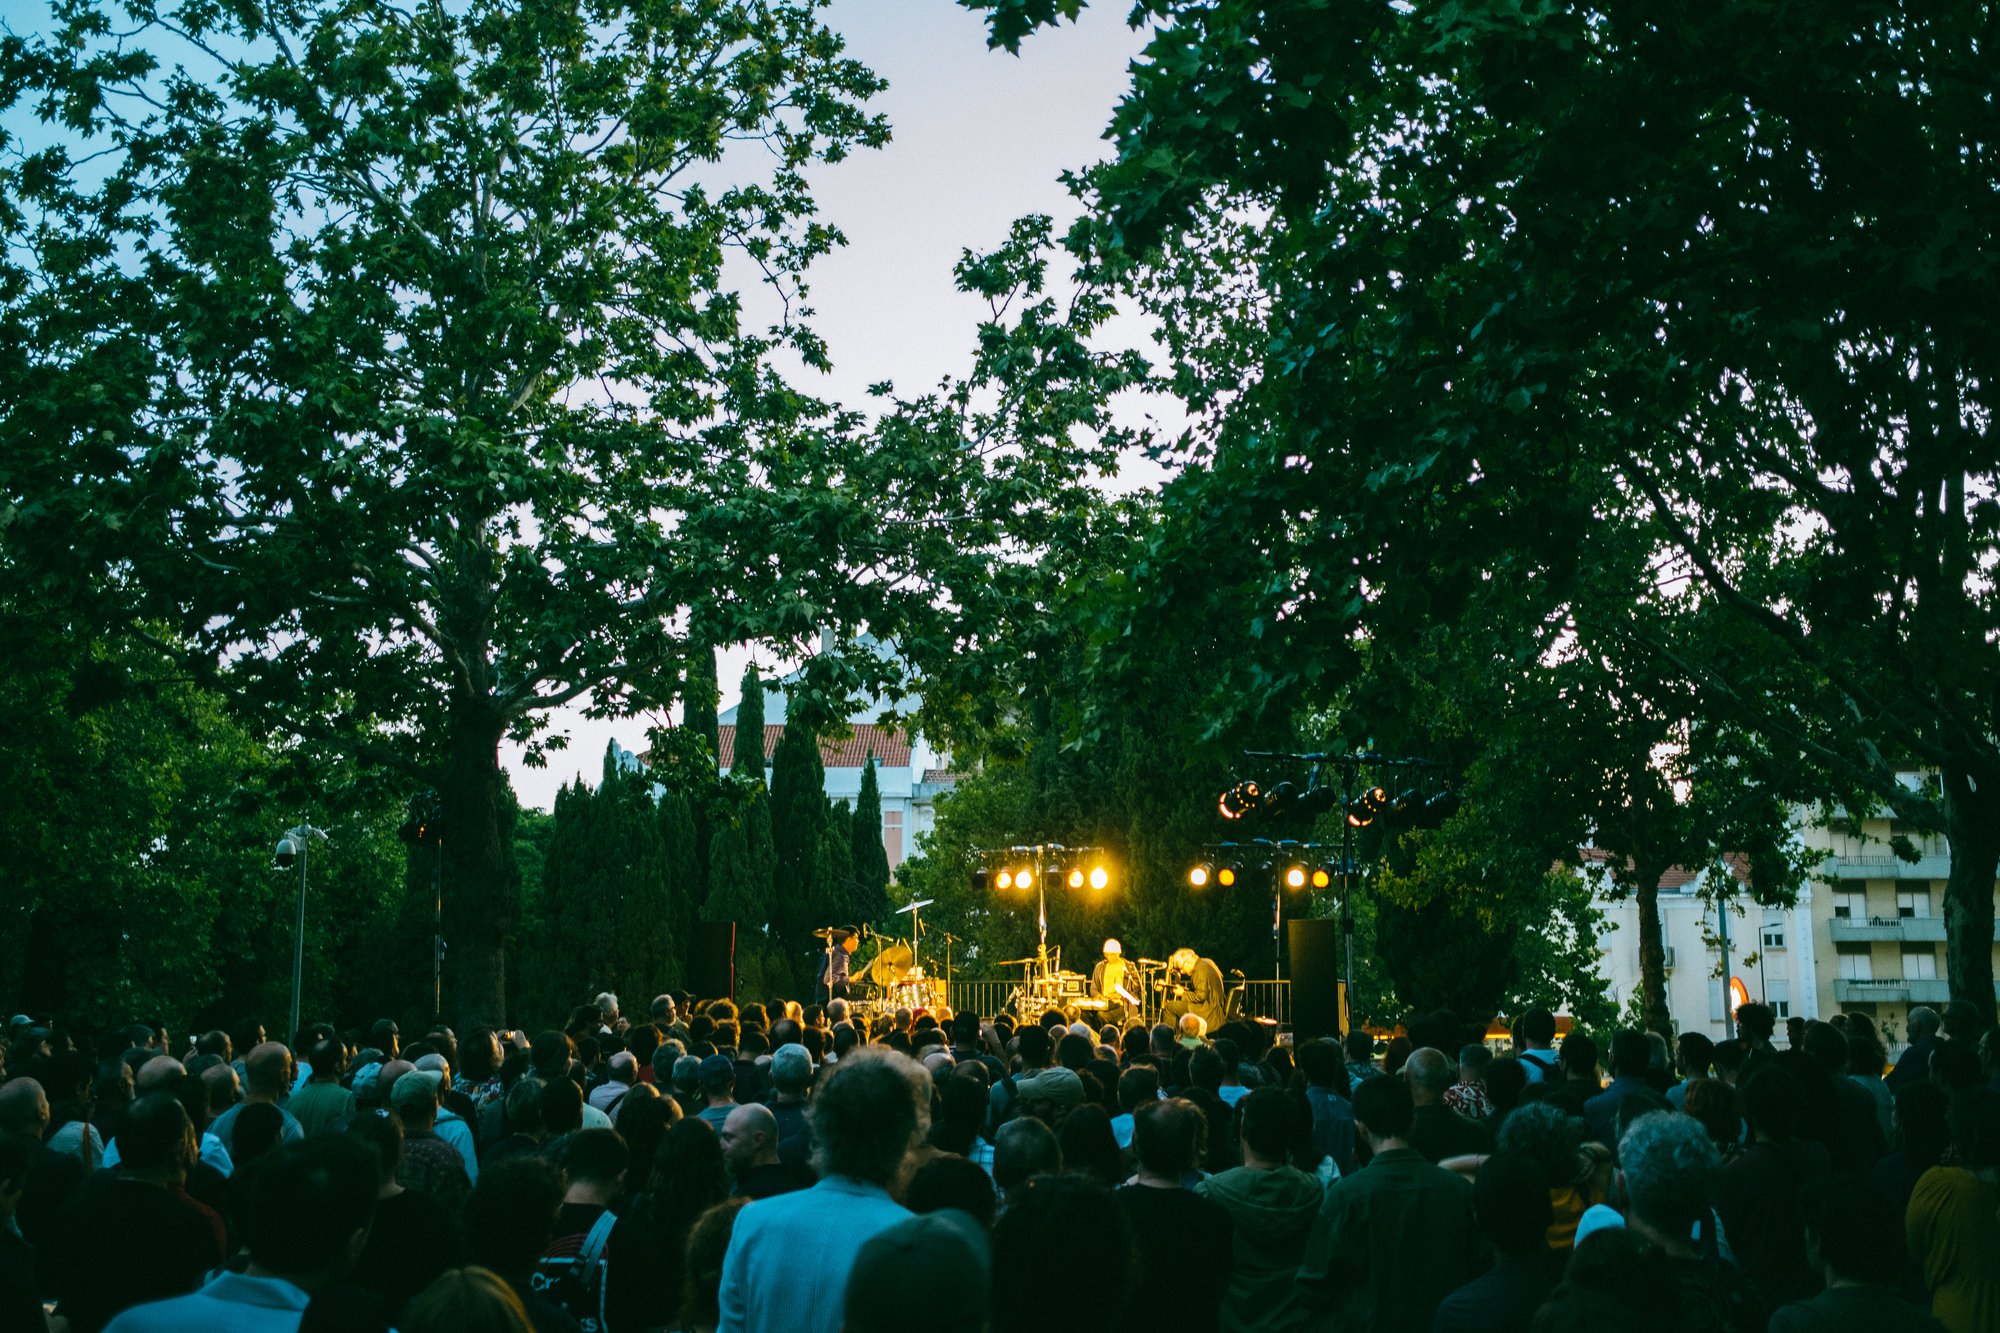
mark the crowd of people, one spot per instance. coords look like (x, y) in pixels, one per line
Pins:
(802, 1168)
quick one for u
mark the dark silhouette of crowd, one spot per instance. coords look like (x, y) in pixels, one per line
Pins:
(782, 1167)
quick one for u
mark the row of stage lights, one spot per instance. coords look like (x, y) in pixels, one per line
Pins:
(1408, 809)
(1024, 877)
(1228, 874)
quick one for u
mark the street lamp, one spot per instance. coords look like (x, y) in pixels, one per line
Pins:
(295, 846)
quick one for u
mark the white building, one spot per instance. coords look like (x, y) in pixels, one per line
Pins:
(1772, 952)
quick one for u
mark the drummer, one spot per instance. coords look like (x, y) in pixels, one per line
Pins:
(1108, 982)
(832, 978)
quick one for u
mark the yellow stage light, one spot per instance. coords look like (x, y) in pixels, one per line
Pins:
(1226, 877)
(1198, 877)
(1322, 877)
(1076, 877)
(1099, 877)
(1024, 878)
(1295, 877)
(1005, 879)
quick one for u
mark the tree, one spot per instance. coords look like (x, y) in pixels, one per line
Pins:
(434, 407)
(700, 698)
(1461, 291)
(747, 761)
(869, 870)
(798, 819)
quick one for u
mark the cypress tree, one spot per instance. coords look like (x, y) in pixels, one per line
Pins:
(798, 817)
(748, 760)
(700, 698)
(870, 859)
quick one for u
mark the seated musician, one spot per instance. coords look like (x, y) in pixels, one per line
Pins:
(1197, 988)
(1111, 982)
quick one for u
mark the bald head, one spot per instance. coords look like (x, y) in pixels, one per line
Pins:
(268, 1071)
(218, 1083)
(750, 1137)
(24, 1108)
(1430, 1073)
(162, 1073)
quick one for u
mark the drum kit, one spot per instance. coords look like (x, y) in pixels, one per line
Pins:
(894, 977)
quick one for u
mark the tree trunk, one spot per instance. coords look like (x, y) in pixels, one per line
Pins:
(1652, 951)
(478, 899)
(1972, 824)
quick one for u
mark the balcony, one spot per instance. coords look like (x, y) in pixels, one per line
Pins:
(1837, 868)
(1896, 990)
(1907, 929)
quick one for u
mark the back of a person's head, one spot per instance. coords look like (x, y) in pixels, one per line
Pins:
(1728, 1056)
(1773, 1101)
(259, 1126)
(1506, 1080)
(1537, 1027)
(1024, 1147)
(866, 1114)
(552, 1053)
(1615, 1283)
(949, 1247)
(1631, 1053)
(382, 1135)
(1205, 1068)
(1270, 1123)
(1696, 1052)
(510, 1212)
(1855, 1228)
(1548, 1135)
(560, 1104)
(1359, 1045)
(1138, 1086)
(1638, 1102)
(952, 1182)
(1825, 1044)
(1714, 1104)
(595, 1155)
(1963, 1020)
(1088, 1145)
(707, 1247)
(1579, 1053)
(1510, 1197)
(153, 1132)
(1384, 1106)
(1168, 1137)
(1074, 1052)
(465, 1300)
(1474, 1059)
(791, 1070)
(1033, 1044)
(1320, 1061)
(1429, 1071)
(1669, 1164)
(311, 1206)
(1757, 1021)
(1955, 1066)
(1031, 1295)
(1923, 1022)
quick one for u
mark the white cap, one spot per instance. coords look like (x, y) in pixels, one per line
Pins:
(1112, 949)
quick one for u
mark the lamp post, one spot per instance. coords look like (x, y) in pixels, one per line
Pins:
(296, 846)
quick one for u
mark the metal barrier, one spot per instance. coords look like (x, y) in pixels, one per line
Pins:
(1262, 998)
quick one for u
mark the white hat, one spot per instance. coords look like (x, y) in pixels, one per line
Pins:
(1112, 949)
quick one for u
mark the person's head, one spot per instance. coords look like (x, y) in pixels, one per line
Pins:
(1383, 1109)
(1669, 1165)
(1756, 1022)
(414, 1098)
(552, 1052)
(1825, 1044)
(1773, 1101)
(1033, 1046)
(259, 1127)
(749, 1137)
(1696, 1051)
(1955, 1066)
(1137, 1087)
(1548, 1135)
(1429, 1073)
(623, 1068)
(791, 1071)
(718, 1079)
(1075, 1052)
(385, 1037)
(1359, 1046)
(24, 1109)
(310, 1209)
(465, 1300)
(1631, 1053)
(1089, 1146)
(1160, 1041)
(1578, 1057)
(1964, 1021)
(1715, 1104)
(953, 1182)
(869, 1111)
(1038, 1213)
(1270, 1126)
(510, 1213)
(268, 1071)
(1536, 1029)
(1205, 1069)
(1923, 1022)
(1475, 1059)
(1193, 1028)
(156, 1137)
(1854, 1230)
(559, 1106)
(707, 1246)
(1169, 1138)
(1024, 1147)
(1510, 1198)
(595, 1160)
(328, 1061)
(382, 1135)
(947, 1244)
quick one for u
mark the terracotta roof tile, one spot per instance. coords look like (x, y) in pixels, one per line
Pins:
(891, 748)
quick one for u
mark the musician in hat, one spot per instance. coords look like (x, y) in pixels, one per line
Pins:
(1110, 982)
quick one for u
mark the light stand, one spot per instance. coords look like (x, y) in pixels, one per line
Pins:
(296, 846)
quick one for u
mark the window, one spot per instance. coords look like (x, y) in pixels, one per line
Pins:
(1857, 963)
(1774, 937)
(892, 836)
(1850, 906)
(1781, 1008)
(1913, 903)
(1919, 962)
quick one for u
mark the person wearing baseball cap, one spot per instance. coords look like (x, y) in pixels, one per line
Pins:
(429, 1163)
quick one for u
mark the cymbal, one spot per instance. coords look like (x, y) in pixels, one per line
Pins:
(827, 932)
(926, 902)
